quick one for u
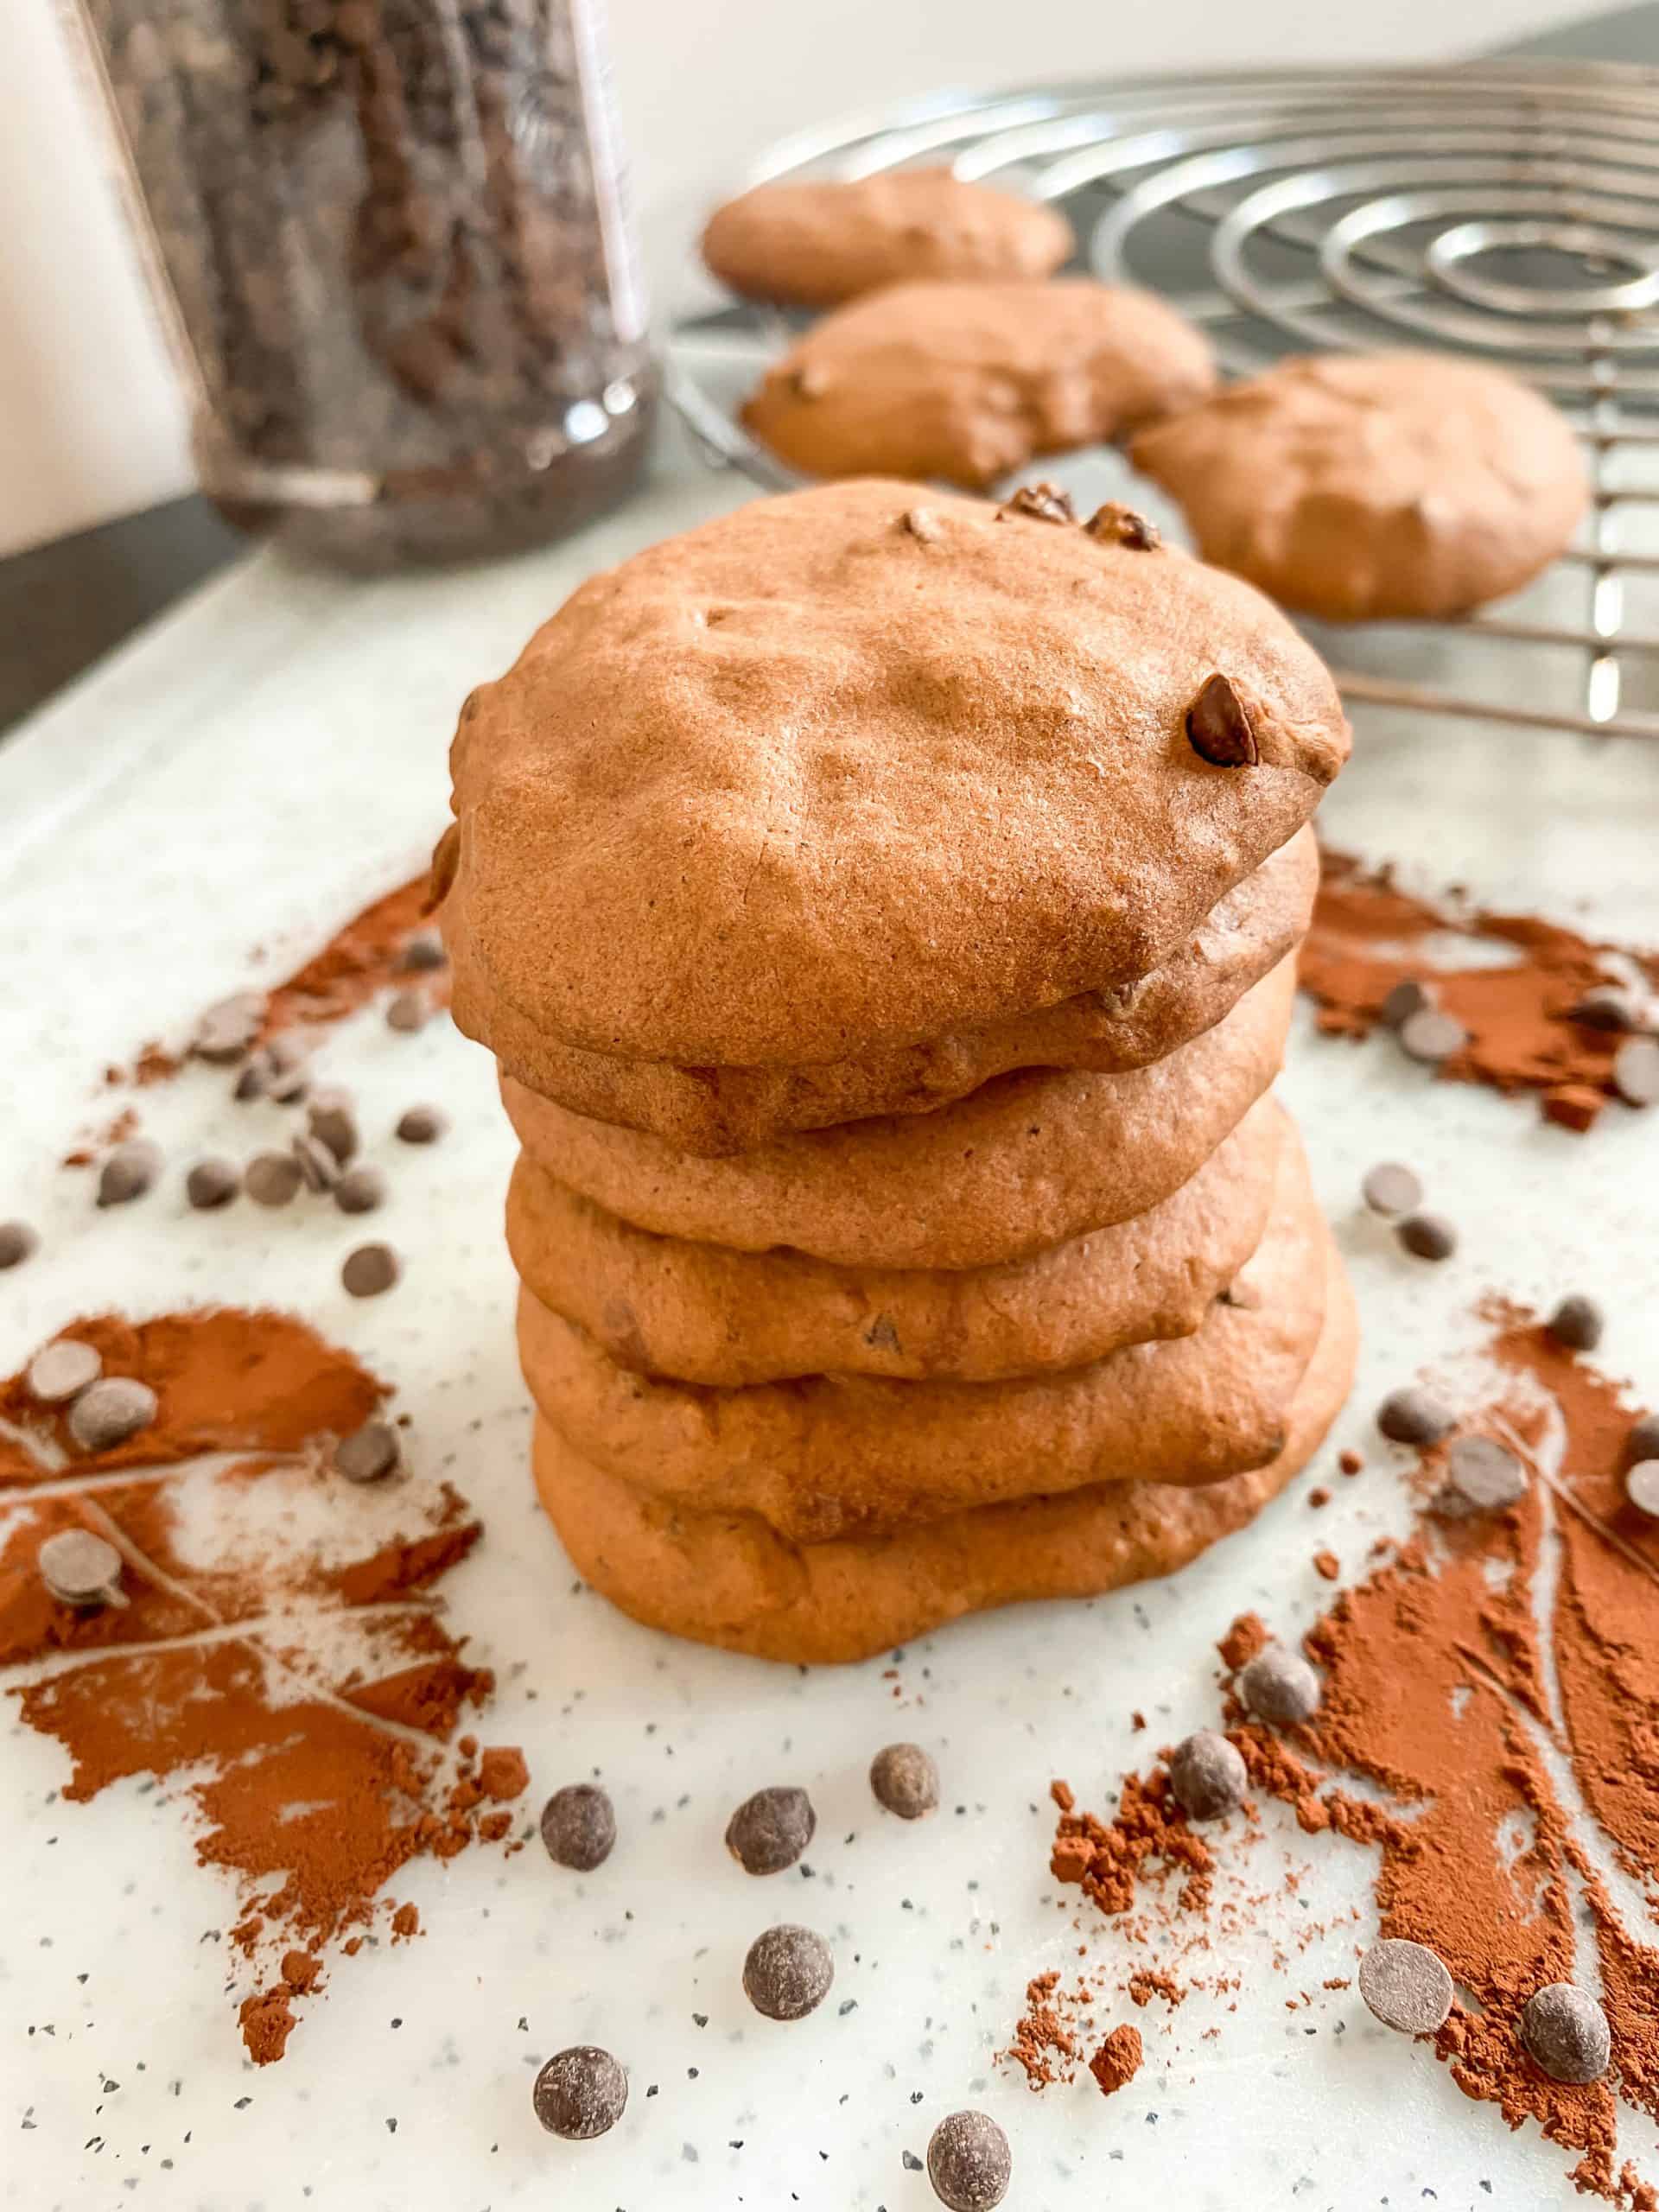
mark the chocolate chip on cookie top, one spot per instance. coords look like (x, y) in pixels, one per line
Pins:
(805, 781)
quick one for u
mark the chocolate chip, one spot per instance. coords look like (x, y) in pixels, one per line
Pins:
(1207, 1775)
(329, 1117)
(1635, 1071)
(1119, 525)
(18, 1243)
(360, 1190)
(422, 953)
(80, 1568)
(788, 1972)
(288, 1077)
(905, 1780)
(1577, 1322)
(1218, 727)
(769, 1830)
(1566, 2032)
(1481, 1477)
(1430, 1036)
(369, 1269)
(62, 1371)
(212, 1183)
(968, 2162)
(226, 1029)
(1412, 1417)
(319, 1169)
(1044, 502)
(273, 1177)
(406, 1012)
(129, 1172)
(579, 1827)
(108, 1412)
(581, 2094)
(422, 1124)
(1390, 1188)
(1427, 1236)
(1409, 996)
(1607, 1007)
(1280, 1687)
(1405, 1986)
(252, 1082)
(1641, 1439)
(1642, 1487)
(922, 522)
(368, 1454)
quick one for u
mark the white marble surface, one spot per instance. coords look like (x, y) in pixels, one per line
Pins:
(246, 776)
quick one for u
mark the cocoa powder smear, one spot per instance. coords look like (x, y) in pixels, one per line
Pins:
(307, 1687)
(1493, 1678)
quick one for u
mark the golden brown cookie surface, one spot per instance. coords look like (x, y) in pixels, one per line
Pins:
(730, 1580)
(963, 383)
(817, 241)
(825, 1456)
(701, 1313)
(1359, 486)
(723, 1110)
(802, 782)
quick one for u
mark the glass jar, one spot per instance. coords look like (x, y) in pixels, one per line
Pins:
(392, 245)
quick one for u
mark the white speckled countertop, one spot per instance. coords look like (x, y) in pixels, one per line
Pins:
(250, 773)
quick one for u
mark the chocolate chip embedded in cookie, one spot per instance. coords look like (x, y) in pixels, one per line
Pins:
(1360, 486)
(964, 383)
(822, 240)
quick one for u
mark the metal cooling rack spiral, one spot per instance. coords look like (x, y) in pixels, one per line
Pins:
(1506, 211)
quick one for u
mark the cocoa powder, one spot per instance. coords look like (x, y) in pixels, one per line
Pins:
(1118, 2060)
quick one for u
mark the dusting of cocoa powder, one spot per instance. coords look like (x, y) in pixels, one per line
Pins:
(358, 963)
(1118, 2060)
(1367, 935)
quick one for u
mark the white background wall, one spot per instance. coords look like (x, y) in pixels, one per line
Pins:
(91, 424)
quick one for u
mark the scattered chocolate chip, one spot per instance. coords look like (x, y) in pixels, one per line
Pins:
(1412, 1417)
(1577, 1322)
(1427, 1236)
(1567, 2033)
(80, 1568)
(329, 1117)
(62, 1371)
(968, 2162)
(1430, 1036)
(1044, 502)
(251, 1081)
(788, 1972)
(110, 1411)
(1409, 996)
(1642, 1487)
(319, 1169)
(922, 522)
(369, 1269)
(1121, 526)
(579, 1827)
(581, 2094)
(18, 1243)
(422, 1124)
(1218, 727)
(368, 1454)
(1207, 1775)
(904, 1781)
(406, 1012)
(1607, 1007)
(1481, 1477)
(287, 1075)
(360, 1190)
(1641, 1439)
(769, 1831)
(273, 1179)
(422, 953)
(1635, 1071)
(1280, 1686)
(129, 1172)
(212, 1183)
(226, 1029)
(1390, 1188)
(1405, 1986)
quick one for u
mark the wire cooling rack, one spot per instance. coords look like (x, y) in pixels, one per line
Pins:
(1506, 211)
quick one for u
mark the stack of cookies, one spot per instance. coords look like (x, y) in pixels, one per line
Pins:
(883, 912)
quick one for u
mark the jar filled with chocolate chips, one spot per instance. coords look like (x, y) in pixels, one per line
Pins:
(394, 256)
